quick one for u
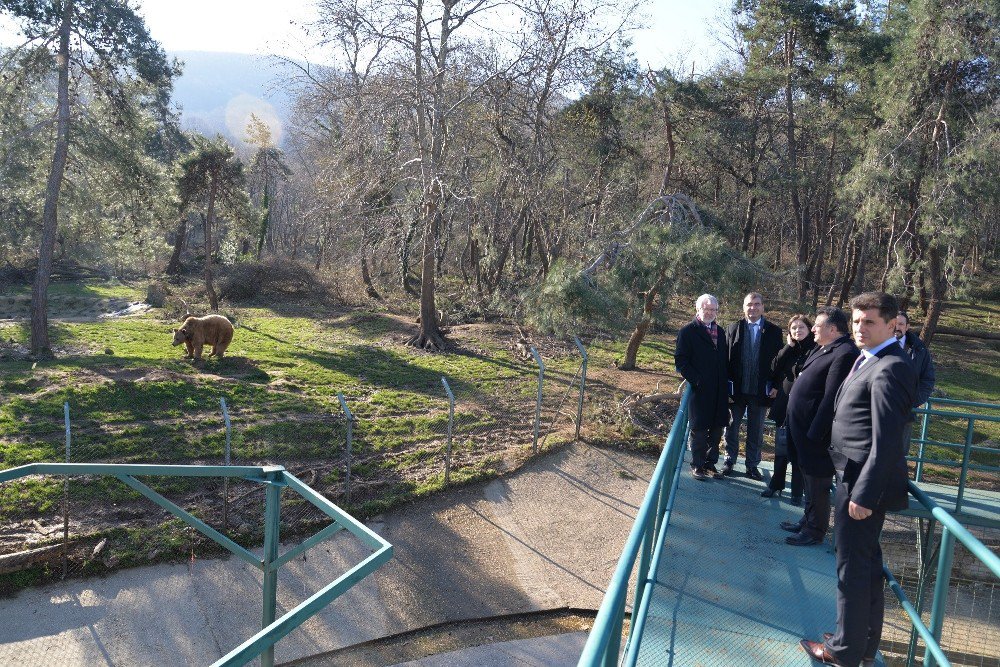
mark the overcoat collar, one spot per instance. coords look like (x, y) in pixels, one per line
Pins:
(821, 350)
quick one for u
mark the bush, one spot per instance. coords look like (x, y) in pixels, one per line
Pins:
(156, 294)
(272, 278)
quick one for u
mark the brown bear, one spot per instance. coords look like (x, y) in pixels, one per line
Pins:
(196, 332)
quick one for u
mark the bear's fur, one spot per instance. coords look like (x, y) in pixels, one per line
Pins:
(196, 332)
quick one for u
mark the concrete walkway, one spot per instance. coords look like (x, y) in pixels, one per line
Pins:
(545, 537)
(539, 652)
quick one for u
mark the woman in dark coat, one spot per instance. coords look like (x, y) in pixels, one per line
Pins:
(784, 370)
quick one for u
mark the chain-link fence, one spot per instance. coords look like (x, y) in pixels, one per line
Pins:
(367, 449)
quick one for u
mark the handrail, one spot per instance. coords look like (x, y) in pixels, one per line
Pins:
(274, 478)
(951, 529)
(603, 642)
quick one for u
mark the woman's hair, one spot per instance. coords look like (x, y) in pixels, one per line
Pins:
(800, 316)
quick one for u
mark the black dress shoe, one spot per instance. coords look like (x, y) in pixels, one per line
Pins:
(753, 473)
(818, 652)
(802, 539)
(698, 474)
(865, 662)
(710, 469)
(791, 526)
(771, 493)
(727, 469)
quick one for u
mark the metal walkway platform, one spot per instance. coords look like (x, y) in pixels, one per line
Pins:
(728, 590)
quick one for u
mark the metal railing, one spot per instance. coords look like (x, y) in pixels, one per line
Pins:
(274, 479)
(951, 530)
(648, 531)
(967, 447)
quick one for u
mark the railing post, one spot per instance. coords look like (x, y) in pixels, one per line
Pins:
(228, 460)
(65, 550)
(272, 524)
(970, 431)
(918, 474)
(451, 420)
(615, 641)
(350, 425)
(583, 382)
(538, 402)
(939, 606)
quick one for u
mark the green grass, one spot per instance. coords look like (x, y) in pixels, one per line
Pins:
(143, 403)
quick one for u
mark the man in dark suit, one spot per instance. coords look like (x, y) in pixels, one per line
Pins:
(753, 343)
(700, 356)
(870, 414)
(809, 417)
(919, 355)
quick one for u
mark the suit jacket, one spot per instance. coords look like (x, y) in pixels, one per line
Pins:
(703, 365)
(809, 415)
(770, 343)
(922, 364)
(870, 416)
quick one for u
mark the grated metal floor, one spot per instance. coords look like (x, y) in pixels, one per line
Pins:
(728, 590)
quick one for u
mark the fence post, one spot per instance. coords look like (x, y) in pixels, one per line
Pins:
(538, 402)
(919, 473)
(583, 382)
(940, 603)
(350, 424)
(970, 433)
(225, 480)
(451, 420)
(272, 524)
(65, 555)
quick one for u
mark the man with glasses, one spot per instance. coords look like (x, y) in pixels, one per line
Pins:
(700, 357)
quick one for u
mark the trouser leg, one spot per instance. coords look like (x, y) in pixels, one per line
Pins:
(712, 448)
(860, 598)
(698, 444)
(777, 482)
(755, 432)
(817, 507)
(797, 481)
(738, 408)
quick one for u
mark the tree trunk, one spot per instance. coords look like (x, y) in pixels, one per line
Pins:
(429, 336)
(174, 265)
(936, 302)
(801, 224)
(40, 345)
(635, 340)
(842, 262)
(213, 298)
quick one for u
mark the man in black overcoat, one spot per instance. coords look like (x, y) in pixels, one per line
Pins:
(809, 418)
(871, 411)
(752, 343)
(700, 356)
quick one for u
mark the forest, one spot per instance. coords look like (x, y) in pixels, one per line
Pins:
(514, 160)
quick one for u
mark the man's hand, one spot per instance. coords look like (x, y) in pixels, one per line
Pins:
(773, 393)
(857, 511)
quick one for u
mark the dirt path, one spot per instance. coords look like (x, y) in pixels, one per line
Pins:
(545, 537)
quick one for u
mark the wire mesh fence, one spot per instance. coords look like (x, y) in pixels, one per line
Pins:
(377, 446)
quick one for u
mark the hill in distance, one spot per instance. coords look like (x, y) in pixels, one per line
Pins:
(217, 92)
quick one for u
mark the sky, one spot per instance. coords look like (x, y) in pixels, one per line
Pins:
(673, 31)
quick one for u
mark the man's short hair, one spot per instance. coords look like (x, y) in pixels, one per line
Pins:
(903, 314)
(703, 298)
(754, 295)
(886, 304)
(834, 316)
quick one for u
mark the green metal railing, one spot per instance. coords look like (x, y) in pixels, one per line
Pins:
(967, 447)
(951, 530)
(647, 534)
(274, 479)
(646, 540)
